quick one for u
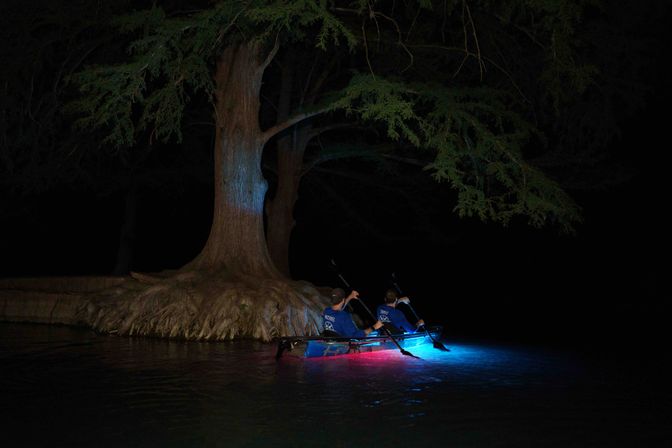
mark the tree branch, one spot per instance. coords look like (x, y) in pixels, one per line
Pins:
(478, 48)
(317, 131)
(271, 54)
(468, 54)
(406, 160)
(400, 41)
(308, 97)
(291, 121)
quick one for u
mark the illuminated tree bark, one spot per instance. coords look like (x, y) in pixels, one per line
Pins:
(236, 241)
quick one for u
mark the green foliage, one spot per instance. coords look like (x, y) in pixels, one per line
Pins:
(169, 60)
(297, 18)
(108, 97)
(172, 58)
(381, 101)
(478, 140)
(478, 134)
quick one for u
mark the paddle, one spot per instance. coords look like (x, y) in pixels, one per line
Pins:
(437, 344)
(347, 285)
(337, 272)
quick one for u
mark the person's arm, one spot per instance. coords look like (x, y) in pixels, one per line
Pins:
(348, 327)
(419, 323)
(353, 295)
(399, 320)
(375, 326)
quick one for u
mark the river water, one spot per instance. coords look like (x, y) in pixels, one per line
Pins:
(63, 386)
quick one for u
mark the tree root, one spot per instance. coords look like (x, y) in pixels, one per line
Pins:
(194, 306)
(201, 307)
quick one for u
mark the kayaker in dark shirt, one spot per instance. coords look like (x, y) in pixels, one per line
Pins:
(337, 322)
(393, 319)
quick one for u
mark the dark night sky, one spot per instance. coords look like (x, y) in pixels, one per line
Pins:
(491, 281)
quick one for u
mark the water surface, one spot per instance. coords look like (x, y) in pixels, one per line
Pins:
(62, 386)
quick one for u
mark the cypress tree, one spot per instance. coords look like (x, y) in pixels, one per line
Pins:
(477, 131)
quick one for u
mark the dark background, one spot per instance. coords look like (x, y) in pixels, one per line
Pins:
(605, 286)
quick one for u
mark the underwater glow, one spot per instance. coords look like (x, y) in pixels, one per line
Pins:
(459, 354)
(472, 365)
(475, 395)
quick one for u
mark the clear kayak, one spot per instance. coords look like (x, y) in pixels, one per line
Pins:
(318, 346)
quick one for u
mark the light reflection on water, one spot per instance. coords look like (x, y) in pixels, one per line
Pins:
(63, 386)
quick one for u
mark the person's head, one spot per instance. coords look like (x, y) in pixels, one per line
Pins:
(390, 296)
(337, 296)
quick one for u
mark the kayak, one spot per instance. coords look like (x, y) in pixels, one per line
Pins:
(319, 346)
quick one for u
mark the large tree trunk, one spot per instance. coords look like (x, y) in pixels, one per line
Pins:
(231, 289)
(236, 242)
(291, 148)
(280, 210)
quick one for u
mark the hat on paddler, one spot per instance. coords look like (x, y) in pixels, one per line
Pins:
(337, 294)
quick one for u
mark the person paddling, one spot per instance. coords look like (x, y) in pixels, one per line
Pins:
(337, 322)
(393, 319)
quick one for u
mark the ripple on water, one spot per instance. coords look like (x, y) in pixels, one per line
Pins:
(65, 386)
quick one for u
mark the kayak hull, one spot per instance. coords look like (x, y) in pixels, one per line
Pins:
(319, 347)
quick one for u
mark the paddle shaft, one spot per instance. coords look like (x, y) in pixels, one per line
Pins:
(347, 285)
(437, 344)
(417, 318)
(389, 334)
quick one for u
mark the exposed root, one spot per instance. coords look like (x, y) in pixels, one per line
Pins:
(206, 307)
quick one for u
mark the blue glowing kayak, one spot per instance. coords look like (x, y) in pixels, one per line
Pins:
(316, 347)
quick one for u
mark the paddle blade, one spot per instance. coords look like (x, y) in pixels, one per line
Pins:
(281, 349)
(440, 346)
(407, 353)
